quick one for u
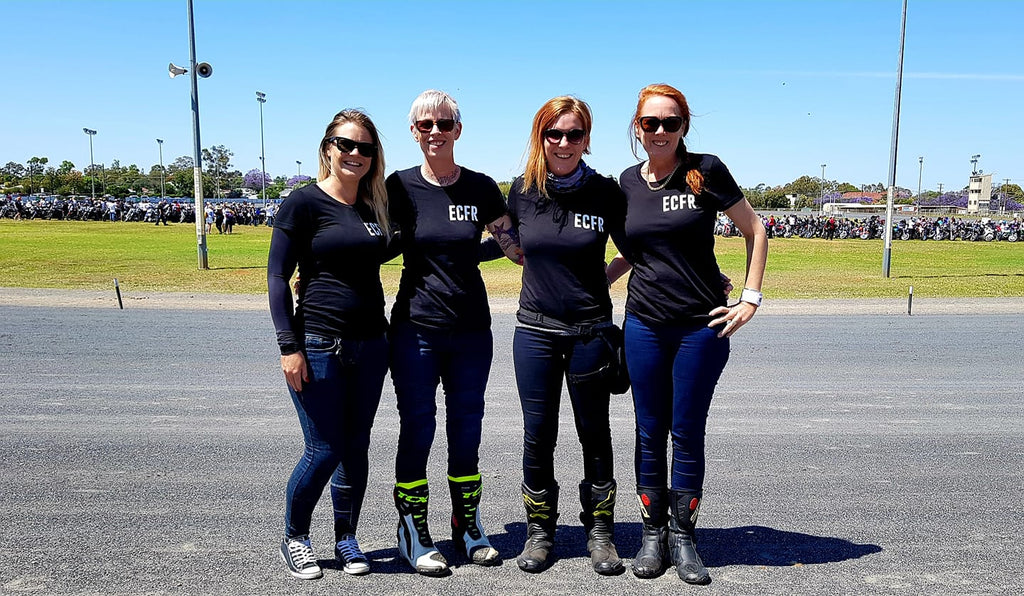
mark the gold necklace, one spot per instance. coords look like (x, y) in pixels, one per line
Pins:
(646, 171)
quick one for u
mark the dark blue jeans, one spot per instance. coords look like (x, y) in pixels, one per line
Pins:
(674, 370)
(460, 361)
(541, 361)
(336, 410)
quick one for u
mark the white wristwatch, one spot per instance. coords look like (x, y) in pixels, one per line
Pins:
(751, 296)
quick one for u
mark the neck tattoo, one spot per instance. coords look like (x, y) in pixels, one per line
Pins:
(446, 180)
(656, 184)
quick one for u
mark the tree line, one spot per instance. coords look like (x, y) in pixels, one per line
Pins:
(220, 178)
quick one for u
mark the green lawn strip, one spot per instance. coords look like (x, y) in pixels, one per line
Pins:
(143, 257)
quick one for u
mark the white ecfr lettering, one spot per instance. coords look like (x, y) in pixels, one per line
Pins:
(373, 229)
(677, 202)
(462, 213)
(588, 222)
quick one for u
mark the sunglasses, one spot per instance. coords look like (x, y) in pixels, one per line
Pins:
(651, 123)
(443, 125)
(574, 136)
(346, 145)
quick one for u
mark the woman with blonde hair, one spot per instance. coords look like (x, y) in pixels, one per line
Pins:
(565, 212)
(441, 329)
(678, 323)
(333, 345)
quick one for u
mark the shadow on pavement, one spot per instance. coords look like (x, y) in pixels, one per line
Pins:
(758, 545)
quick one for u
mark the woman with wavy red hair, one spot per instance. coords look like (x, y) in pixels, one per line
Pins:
(565, 213)
(678, 324)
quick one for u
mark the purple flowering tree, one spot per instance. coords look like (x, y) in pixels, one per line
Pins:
(296, 181)
(255, 179)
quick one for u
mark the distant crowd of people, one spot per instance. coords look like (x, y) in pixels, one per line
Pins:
(223, 215)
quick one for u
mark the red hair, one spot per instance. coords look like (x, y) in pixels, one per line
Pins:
(693, 176)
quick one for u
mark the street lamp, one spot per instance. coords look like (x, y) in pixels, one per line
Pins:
(204, 70)
(299, 165)
(920, 170)
(160, 144)
(822, 199)
(92, 162)
(262, 99)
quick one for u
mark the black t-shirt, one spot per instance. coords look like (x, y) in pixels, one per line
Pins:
(564, 238)
(675, 278)
(441, 286)
(339, 248)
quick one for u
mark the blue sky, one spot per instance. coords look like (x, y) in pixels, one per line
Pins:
(777, 87)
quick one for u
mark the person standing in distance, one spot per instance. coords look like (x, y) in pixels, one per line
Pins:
(565, 212)
(678, 324)
(441, 329)
(333, 346)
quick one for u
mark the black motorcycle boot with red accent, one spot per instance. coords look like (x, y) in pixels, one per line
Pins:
(650, 560)
(682, 538)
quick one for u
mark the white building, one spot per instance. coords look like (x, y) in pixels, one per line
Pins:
(979, 193)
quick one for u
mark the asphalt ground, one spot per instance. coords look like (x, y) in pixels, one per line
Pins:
(145, 451)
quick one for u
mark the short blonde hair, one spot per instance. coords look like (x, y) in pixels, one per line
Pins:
(431, 100)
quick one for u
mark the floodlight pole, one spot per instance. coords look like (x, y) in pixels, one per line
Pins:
(92, 162)
(822, 198)
(262, 99)
(160, 144)
(920, 171)
(197, 167)
(887, 250)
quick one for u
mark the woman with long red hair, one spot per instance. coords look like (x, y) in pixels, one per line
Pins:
(678, 323)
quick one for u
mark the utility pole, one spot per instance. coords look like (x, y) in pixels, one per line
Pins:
(887, 246)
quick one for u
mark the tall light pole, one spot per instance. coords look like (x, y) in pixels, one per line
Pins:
(887, 250)
(160, 144)
(822, 199)
(204, 70)
(92, 162)
(262, 99)
(920, 171)
(298, 164)
(974, 163)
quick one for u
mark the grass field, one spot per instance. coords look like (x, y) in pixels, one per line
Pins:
(143, 257)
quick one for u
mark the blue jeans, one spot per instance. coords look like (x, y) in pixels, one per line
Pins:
(336, 409)
(541, 361)
(674, 370)
(460, 361)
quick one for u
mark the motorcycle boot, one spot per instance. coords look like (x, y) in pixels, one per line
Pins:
(541, 517)
(598, 517)
(650, 559)
(414, 542)
(467, 533)
(682, 540)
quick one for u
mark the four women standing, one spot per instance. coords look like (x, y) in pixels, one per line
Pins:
(562, 214)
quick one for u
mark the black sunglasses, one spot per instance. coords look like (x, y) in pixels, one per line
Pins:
(443, 125)
(574, 136)
(346, 145)
(651, 123)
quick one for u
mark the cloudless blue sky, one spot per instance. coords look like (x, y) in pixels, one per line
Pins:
(777, 87)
